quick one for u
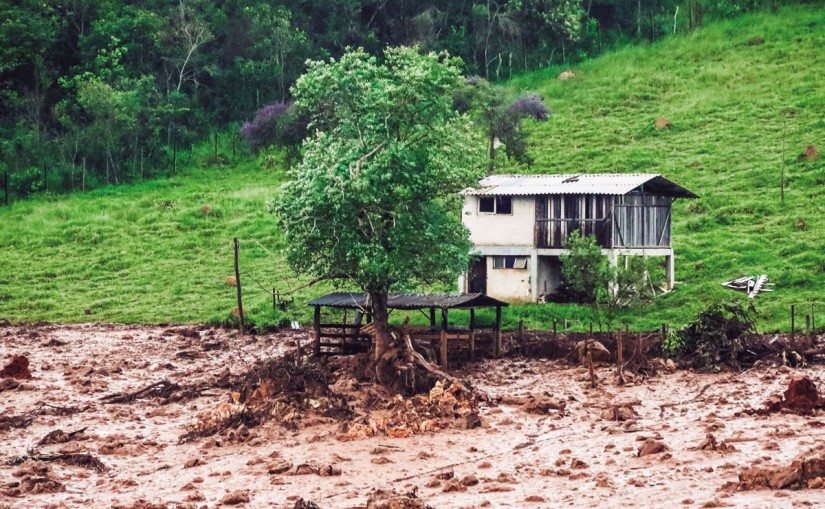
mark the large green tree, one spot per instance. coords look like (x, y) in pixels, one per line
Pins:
(375, 199)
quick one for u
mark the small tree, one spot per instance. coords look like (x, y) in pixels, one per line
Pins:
(375, 198)
(605, 286)
(501, 117)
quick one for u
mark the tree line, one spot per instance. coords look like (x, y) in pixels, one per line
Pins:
(96, 92)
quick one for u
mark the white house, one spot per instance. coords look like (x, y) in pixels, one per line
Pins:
(519, 224)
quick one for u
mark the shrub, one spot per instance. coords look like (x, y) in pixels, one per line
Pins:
(714, 338)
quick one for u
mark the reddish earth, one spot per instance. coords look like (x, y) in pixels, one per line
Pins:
(552, 441)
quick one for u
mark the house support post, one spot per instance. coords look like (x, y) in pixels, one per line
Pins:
(472, 333)
(669, 272)
(444, 338)
(534, 276)
(316, 327)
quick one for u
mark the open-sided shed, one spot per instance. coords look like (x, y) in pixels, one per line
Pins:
(329, 337)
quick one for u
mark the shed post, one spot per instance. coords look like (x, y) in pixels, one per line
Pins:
(472, 333)
(669, 271)
(497, 345)
(444, 338)
(432, 317)
(316, 326)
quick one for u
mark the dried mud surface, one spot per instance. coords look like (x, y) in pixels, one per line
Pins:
(551, 441)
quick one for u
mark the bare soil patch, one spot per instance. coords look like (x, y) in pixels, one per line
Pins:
(111, 414)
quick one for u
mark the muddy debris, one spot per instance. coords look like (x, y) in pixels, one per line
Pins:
(235, 498)
(388, 499)
(807, 471)
(33, 479)
(8, 422)
(801, 397)
(652, 446)
(18, 368)
(59, 436)
(598, 352)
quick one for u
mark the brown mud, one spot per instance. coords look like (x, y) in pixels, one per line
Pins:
(103, 422)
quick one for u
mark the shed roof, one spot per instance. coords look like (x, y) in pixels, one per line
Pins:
(409, 300)
(592, 183)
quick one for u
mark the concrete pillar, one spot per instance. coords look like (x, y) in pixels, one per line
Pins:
(462, 283)
(534, 276)
(669, 272)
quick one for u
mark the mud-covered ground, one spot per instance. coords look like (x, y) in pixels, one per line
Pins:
(550, 441)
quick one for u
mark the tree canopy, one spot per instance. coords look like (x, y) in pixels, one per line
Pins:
(375, 198)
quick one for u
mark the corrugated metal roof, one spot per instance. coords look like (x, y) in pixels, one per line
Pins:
(593, 183)
(409, 300)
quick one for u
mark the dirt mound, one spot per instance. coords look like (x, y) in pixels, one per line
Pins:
(810, 153)
(274, 390)
(445, 406)
(807, 471)
(18, 368)
(383, 499)
(662, 123)
(801, 397)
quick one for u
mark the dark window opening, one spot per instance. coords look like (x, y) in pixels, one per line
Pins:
(504, 205)
(509, 262)
(495, 204)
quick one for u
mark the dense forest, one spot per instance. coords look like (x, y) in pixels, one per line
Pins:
(96, 92)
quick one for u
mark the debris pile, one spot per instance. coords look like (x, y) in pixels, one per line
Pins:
(18, 368)
(32, 478)
(385, 499)
(807, 471)
(801, 397)
(274, 390)
(446, 405)
(752, 285)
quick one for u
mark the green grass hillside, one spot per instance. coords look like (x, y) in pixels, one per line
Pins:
(735, 92)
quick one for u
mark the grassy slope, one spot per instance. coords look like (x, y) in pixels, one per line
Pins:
(144, 253)
(731, 105)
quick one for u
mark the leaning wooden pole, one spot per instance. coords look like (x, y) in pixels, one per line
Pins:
(238, 286)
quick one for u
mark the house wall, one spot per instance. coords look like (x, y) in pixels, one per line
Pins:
(516, 229)
(508, 284)
(549, 274)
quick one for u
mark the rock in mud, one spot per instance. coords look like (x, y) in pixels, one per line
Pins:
(807, 471)
(652, 447)
(235, 498)
(18, 368)
(801, 397)
(385, 499)
(598, 351)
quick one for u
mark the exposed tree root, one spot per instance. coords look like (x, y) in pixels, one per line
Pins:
(169, 391)
(79, 459)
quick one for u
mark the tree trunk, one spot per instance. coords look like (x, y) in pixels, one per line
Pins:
(386, 353)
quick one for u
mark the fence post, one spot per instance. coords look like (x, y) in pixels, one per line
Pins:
(238, 285)
(793, 325)
(620, 356)
(808, 326)
(554, 330)
(521, 335)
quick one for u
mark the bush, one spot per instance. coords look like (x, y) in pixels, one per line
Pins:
(714, 338)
